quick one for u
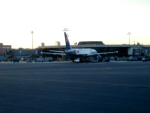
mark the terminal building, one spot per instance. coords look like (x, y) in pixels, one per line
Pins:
(124, 50)
(90, 43)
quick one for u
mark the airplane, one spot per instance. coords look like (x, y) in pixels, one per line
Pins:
(77, 54)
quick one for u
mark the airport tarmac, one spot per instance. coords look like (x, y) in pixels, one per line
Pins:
(66, 87)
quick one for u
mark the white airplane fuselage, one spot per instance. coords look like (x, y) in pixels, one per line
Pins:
(81, 51)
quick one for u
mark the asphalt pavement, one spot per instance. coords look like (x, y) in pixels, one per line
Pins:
(66, 87)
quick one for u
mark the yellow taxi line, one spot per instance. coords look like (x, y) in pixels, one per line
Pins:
(85, 82)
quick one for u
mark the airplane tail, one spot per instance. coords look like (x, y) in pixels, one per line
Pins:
(67, 42)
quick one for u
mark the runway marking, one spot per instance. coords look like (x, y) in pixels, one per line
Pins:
(85, 82)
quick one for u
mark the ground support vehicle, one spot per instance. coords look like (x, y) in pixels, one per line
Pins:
(77, 60)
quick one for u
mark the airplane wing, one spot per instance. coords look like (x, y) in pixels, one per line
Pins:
(102, 53)
(53, 53)
(107, 53)
(56, 51)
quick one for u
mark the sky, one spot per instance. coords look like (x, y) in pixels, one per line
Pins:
(87, 20)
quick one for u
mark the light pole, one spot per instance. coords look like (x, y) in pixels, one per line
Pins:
(32, 38)
(129, 33)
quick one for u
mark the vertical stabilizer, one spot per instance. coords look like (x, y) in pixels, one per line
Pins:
(67, 42)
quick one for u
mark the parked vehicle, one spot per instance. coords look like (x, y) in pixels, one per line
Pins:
(2, 59)
(49, 59)
(29, 60)
(144, 59)
(107, 59)
(39, 60)
(23, 58)
(117, 58)
(77, 60)
(131, 58)
(16, 60)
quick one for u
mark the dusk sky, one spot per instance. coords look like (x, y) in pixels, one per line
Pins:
(87, 20)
